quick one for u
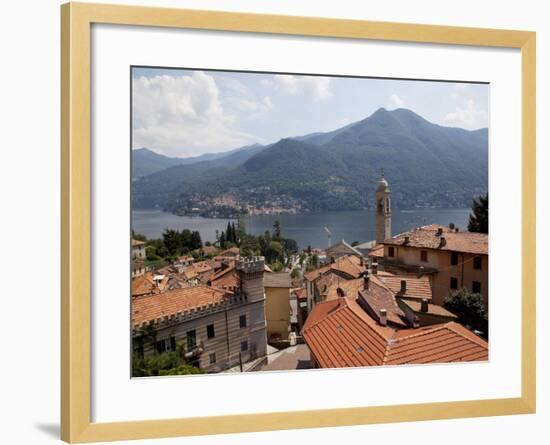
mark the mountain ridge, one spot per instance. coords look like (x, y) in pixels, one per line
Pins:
(427, 165)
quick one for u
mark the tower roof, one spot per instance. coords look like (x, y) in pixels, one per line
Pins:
(383, 185)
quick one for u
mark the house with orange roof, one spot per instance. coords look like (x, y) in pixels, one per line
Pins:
(215, 328)
(453, 259)
(318, 281)
(341, 333)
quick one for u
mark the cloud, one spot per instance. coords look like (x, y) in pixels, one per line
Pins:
(316, 88)
(470, 117)
(186, 115)
(458, 89)
(396, 102)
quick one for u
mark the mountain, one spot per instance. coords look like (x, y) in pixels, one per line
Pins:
(427, 165)
(146, 162)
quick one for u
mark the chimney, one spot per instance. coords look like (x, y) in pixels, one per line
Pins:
(374, 268)
(452, 226)
(439, 231)
(407, 239)
(383, 317)
(424, 305)
(366, 280)
(442, 241)
(403, 286)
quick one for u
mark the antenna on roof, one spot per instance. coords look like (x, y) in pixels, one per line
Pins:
(328, 235)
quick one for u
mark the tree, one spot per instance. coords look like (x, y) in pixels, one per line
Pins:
(296, 273)
(479, 218)
(241, 229)
(274, 252)
(277, 230)
(167, 363)
(470, 309)
(172, 240)
(138, 236)
(290, 246)
(195, 241)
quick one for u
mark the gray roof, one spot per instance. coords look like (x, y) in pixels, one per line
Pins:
(342, 248)
(277, 279)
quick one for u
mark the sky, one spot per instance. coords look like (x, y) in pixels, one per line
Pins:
(183, 113)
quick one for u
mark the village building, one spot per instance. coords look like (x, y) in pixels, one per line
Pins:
(277, 287)
(138, 258)
(319, 280)
(341, 249)
(216, 329)
(277, 308)
(373, 327)
(453, 259)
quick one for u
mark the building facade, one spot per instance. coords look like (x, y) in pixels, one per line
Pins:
(277, 306)
(138, 258)
(216, 329)
(453, 259)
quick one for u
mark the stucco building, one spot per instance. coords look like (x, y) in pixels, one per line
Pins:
(216, 328)
(138, 258)
(452, 258)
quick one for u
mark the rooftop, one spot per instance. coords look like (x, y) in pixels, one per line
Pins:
(151, 307)
(348, 264)
(416, 287)
(277, 279)
(340, 334)
(442, 238)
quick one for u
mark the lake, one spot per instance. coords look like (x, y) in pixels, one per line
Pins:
(307, 229)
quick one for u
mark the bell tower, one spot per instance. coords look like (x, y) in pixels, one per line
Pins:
(383, 210)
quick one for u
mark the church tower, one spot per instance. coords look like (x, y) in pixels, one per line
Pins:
(383, 210)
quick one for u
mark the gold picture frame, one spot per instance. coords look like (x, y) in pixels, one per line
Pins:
(76, 21)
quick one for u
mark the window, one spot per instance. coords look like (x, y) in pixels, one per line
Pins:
(242, 321)
(477, 262)
(212, 358)
(454, 283)
(244, 346)
(391, 252)
(454, 258)
(424, 256)
(210, 332)
(191, 339)
(476, 287)
(166, 344)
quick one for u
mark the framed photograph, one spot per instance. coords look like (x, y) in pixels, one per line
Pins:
(275, 222)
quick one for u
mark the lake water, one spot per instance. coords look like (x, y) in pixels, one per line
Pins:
(306, 229)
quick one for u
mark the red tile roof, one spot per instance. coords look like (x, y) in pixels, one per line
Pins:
(144, 285)
(226, 278)
(377, 251)
(378, 297)
(416, 287)
(450, 342)
(340, 334)
(427, 237)
(151, 307)
(349, 265)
